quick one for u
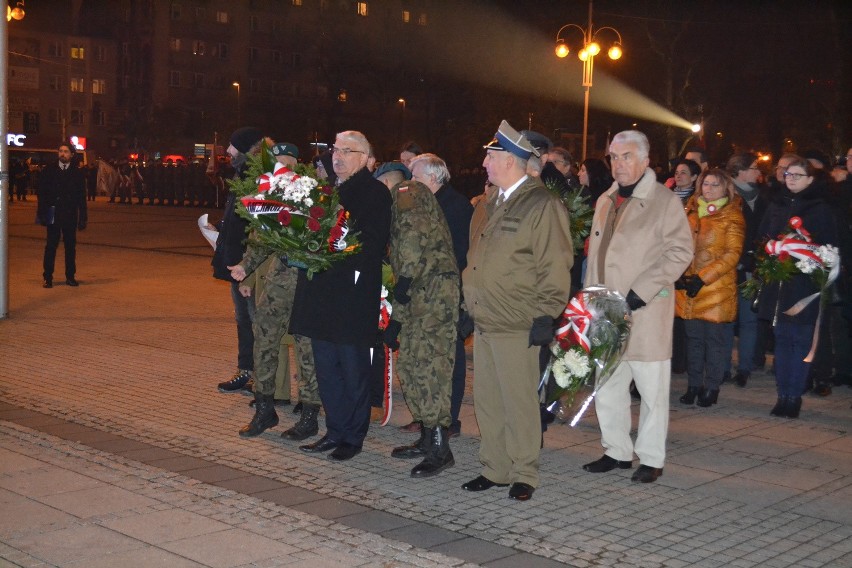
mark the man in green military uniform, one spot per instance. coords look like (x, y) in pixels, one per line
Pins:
(425, 311)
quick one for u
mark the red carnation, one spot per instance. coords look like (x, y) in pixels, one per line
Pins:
(317, 212)
(313, 225)
(284, 217)
(326, 189)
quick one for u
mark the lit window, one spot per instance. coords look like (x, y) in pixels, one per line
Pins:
(198, 47)
(77, 85)
(362, 8)
(175, 11)
(78, 52)
(297, 2)
(222, 17)
(421, 20)
(98, 86)
(174, 78)
(174, 44)
(76, 116)
(406, 16)
(55, 82)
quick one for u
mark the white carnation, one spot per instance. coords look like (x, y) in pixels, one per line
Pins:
(829, 255)
(806, 265)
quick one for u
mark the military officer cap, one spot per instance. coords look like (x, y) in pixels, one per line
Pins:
(285, 149)
(507, 139)
(392, 167)
(538, 140)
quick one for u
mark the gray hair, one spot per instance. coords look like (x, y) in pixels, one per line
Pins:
(356, 138)
(633, 137)
(534, 166)
(392, 178)
(432, 166)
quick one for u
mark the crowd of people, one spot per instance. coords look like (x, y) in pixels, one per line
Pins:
(501, 267)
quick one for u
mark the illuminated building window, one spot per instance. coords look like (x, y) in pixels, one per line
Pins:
(406, 16)
(78, 52)
(174, 44)
(55, 82)
(198, 47)
(76, 116)
(175, 11)
(362, 8)
(174, 78)
(223, 17)
(98, 86)
(421, 20)
(77, 85)
(297, 2)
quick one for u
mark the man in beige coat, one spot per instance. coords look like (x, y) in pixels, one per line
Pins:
(640, 243)
(516, 280)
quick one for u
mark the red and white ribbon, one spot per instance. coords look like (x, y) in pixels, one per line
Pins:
(796, 247)
(577, 321)
(264, 182)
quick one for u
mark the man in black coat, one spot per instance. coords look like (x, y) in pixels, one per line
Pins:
(62, 210)
(339, 308)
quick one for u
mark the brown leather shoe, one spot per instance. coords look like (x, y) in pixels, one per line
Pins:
(412, 427)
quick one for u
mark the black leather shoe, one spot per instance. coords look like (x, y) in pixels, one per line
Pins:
(344, 452)
(741, 378)
(481, 483)
(324, 444)
(47, 284)
(605, 464)
(708, 398)
(521, 491)
(72, 282)
(646, 474)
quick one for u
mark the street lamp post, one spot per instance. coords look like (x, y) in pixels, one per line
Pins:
(239, 119)
(587, 55)
(401, 101)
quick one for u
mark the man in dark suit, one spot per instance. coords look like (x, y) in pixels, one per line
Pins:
(339, 308)
(62, 210)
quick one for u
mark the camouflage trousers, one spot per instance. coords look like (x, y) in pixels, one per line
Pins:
(427, 349)
(308, 386)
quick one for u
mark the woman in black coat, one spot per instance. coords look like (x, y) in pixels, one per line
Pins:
(801, 197)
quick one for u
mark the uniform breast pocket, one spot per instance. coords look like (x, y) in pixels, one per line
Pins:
(510, 224)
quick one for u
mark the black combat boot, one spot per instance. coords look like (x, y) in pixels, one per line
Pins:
(264, 416)
(415, 450)
(689, 397)
(794, 406)
(307, 425)
(781, 405)
(438, 454)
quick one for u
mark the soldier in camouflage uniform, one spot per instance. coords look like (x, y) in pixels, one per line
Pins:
(425, 310)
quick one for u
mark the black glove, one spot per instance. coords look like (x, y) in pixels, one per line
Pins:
(391, 333)
(465, 325)
(541, 332)
(693, 285)
(680, 283)
(400, 291)
(634, 301)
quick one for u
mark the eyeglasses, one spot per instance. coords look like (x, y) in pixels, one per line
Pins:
(794, 177)
(344, 151)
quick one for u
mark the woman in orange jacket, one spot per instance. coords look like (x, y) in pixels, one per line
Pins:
(706, 296)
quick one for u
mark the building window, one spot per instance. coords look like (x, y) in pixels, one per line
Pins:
(54, 115)
(175, 11)
(297, 2)
(222, 51)
(296, 59)
(421, 19)
(174, 44)
(55, 83)
(253, 54)
(99, 118)
(276, 56)
(78, 52)
(98, 86)
(54, 49)
(198, 47)
(254, 23)
(77, 85)
(223, 17)
(362, 8)
(200, 14)
(198, 80)
(406, 16)
(76, 116)
(100, 53)
(174, 78)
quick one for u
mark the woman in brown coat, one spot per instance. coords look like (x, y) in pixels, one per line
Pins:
(706, 296)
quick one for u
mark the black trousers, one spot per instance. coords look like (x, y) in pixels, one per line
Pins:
(343, 375)
(69, 239)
